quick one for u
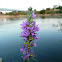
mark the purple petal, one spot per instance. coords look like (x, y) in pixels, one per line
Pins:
(21, 50)
(34, 44)
(33, 15)
(24, 53)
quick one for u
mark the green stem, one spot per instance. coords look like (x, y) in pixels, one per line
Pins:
(26, 60)
(29, 14)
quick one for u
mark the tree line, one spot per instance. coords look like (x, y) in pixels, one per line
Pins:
(55, 10)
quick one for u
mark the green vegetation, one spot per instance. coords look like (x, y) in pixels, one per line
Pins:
(16, 13)
(59, 7)
(37, 12)
(55, 10)
(42, 11)
(47, 8)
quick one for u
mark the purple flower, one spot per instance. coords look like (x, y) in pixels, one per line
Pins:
(34, 44)
(33, 23)
(26, 57)
(32, 33)
(25, 48)
(24, 34)
(36, 28)
(24, 53)
(29, 28)
(33, 15)
(21, 50)
(25, 39)
(25, 23)
(28, 50)
(35, 38)
(28, 54)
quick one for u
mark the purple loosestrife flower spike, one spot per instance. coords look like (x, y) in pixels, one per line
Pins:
(29, 34)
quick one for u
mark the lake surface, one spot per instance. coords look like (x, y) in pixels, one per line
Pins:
(49, 44)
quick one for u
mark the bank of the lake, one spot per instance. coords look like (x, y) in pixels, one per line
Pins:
(38, 15)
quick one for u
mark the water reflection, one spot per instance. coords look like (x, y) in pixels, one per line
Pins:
(58, 26)
(2, 20)
(10, 20)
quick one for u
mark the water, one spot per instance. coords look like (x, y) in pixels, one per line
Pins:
(49, 44)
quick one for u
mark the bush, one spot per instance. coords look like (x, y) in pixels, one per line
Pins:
(42, 11)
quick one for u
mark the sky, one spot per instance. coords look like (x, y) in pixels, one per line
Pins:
(25, 4)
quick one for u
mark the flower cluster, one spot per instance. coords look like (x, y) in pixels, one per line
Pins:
(29, 34)
(27, 52)
(29, 31)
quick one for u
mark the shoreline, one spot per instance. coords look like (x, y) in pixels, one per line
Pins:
(37, 15)
(50, 15)
(12, 16)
